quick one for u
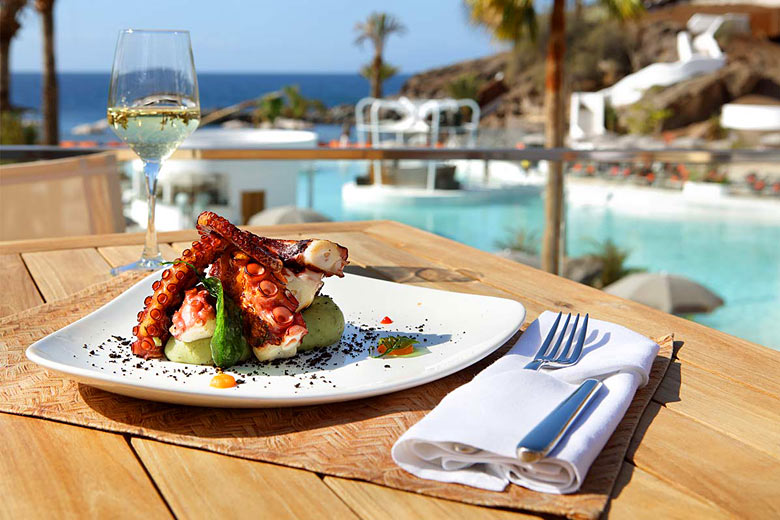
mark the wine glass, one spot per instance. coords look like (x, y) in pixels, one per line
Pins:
(152, 106)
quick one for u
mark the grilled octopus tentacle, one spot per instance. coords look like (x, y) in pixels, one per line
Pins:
(254, 277)
(318, 255)
(269, 308)
(250, 244)
(154, 321)
(266, 277)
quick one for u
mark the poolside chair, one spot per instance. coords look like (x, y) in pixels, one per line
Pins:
(63, 197)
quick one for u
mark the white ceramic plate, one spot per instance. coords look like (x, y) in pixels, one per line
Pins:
(456, 330)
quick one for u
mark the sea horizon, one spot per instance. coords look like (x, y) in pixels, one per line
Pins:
(83, 95)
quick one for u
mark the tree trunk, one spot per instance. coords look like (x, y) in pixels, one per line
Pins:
(553, 107)
(376, 79)
(50, 109)
(5, 75)
(9, 25)
(512, 70)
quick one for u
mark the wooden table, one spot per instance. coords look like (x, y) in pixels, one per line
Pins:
(707, 446)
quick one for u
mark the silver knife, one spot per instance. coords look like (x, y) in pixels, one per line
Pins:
(545, 436)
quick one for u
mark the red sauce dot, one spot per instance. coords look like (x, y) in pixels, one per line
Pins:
(386, 320)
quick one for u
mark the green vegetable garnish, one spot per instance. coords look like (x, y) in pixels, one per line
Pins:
(228, 345)
(395, 346)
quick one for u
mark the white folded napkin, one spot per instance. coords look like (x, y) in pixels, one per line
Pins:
(504, 402)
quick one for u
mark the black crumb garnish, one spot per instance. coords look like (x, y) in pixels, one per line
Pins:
(355, 345)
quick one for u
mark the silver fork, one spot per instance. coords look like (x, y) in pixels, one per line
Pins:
(553, 358)
(543, 438)
(549, 358)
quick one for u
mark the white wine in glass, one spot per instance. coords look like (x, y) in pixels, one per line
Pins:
(152, 106)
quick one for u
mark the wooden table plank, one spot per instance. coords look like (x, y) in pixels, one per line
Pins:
(704, 347)
(202, 484)
(730, 407)
(695, 460)
(639, 495)
(373, 502)
(19, 291)
(60, 273)
(123, 255)
(50, 469)
(707, 464)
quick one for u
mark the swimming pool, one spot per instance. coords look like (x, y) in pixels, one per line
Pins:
(737, 258)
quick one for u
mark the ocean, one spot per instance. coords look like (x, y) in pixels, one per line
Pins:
(83, 96)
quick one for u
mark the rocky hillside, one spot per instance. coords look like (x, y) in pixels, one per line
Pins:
(753, 68)
(599, 53)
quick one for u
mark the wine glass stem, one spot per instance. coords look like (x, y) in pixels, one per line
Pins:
(151, 171)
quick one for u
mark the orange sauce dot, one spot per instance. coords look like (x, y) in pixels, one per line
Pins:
(403, 351)
(223, 381)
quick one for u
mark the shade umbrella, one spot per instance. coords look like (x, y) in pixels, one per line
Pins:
(286, 215)
(666, 292)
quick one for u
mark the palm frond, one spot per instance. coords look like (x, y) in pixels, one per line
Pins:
(377, 28)
(386, 71)
(624, 9)
(508, 20)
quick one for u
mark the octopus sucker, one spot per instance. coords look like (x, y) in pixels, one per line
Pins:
(270, 280)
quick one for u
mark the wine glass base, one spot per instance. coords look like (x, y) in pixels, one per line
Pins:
(144, 264)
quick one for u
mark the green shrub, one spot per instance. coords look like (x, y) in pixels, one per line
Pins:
(644, 118)
(613, 260)
(521, 240)
(14, 131)
(288, 103)
(465, 86)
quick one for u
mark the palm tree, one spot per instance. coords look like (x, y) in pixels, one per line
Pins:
(50, 101)
(513, 20)
(9, 24)
(377, 28)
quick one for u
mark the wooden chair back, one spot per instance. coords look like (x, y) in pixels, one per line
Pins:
(62, 197)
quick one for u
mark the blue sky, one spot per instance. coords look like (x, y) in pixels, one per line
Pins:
(256, 35)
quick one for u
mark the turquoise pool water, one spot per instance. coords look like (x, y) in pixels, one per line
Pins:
(739, 260)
